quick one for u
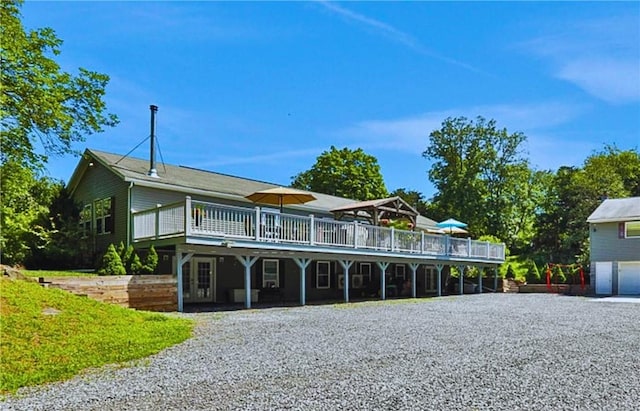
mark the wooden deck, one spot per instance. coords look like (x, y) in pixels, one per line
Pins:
(265, 226)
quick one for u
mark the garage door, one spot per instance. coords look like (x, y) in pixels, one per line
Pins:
(629, 278)
(604, 270)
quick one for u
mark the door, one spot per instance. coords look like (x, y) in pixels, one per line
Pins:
(199, 280)
(604, 274)
(430, 279)
(629, 278)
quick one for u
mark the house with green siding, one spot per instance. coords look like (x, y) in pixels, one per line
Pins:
(223, 248)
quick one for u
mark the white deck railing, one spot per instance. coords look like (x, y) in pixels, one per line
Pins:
(199, 218)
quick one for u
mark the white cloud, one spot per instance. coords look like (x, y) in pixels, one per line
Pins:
(410, 134)
(395, 34)
(615, 81)
(601, 57)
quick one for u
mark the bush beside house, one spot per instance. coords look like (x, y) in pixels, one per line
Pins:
(121, 261)
(111, 263)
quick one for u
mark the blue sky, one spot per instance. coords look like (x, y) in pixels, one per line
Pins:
(259, 90)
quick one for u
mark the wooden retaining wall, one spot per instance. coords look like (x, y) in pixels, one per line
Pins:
(142, 292)
(570, 289)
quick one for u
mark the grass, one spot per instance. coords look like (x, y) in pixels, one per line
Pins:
(50, 335)
(50, 273)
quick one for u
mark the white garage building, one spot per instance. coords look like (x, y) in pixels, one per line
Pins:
(614, 231)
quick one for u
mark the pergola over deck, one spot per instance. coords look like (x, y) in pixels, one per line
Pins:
(375, 210)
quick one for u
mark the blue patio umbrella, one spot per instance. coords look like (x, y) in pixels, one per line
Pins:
(452, 226)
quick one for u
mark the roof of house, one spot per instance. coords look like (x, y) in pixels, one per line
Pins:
(195, 181)
(616, 209)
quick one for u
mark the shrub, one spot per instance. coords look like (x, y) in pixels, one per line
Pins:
(557, 275)
(121, 251)
(111, 263)
(510, 273)
(533, 275)
(150, 262)
(135, 266)
(128, 258)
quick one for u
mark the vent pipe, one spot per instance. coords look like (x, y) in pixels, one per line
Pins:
(152, 161)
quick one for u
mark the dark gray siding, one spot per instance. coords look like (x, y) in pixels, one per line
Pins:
(144, 198)
(98, 183)
(606, 246)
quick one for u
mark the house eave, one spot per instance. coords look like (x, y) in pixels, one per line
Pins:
(614, 220)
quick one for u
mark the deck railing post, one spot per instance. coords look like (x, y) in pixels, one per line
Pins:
(421, 242)
(187, 216)
(393, 239)
(468, 246)
(312, 229)
(157, 222)
(447, 247)
(488, 250)
(257, 224)
(355, 234)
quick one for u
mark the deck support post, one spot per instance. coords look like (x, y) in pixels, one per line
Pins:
(180, 261)
(383, 278)
(346, 265)
(414, 268)
(247, 261)
(439, 267)
(303, 263)
(481, 271)
(495, 279)
(461, 280)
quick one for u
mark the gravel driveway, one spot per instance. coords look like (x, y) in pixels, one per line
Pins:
(475, 352)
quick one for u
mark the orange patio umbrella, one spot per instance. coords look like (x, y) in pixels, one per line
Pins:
(281, 196)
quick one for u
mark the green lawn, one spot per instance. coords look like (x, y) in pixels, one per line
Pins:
(50, 335)
(50, 273)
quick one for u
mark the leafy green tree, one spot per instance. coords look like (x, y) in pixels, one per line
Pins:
(25, 199)
(573, 193)
(481, 176)
(150, 262)
(41, 105)
(111, 263)
(344, 173)
(62, 245)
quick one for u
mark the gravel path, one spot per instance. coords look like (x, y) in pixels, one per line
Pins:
(476, 352)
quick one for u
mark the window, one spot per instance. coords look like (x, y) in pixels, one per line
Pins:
(103, 215)
(270, 274)
(323, 274)
(632, 229)
(365, 270)
(85, 220)
(400, 271)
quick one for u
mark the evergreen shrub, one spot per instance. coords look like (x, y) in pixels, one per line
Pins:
(111, 263)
